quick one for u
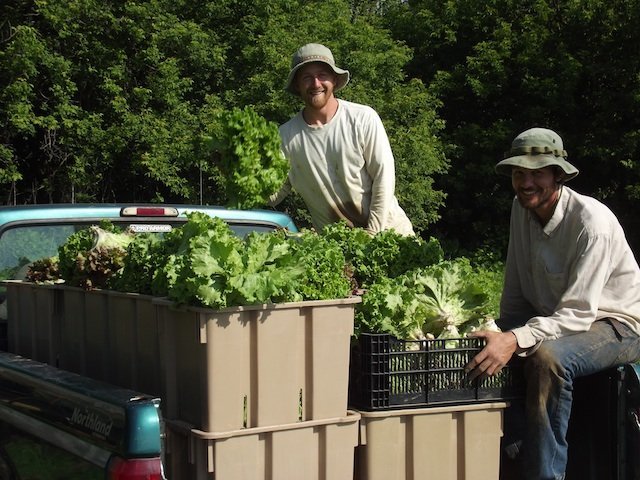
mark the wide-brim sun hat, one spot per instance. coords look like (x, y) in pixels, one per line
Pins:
(314, 52)
(537, 148)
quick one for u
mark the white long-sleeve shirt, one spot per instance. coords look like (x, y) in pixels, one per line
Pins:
(562, 277)
(344, 169)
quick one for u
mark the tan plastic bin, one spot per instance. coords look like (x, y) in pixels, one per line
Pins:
(256, 366)
(312, 450)
(218, 370)
(437, 443)
(38, 308)
(111, 336)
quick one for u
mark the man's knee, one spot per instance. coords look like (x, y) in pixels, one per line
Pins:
(543, 364)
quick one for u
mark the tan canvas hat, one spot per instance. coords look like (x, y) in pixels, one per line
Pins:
(314, 52)
(537, 148)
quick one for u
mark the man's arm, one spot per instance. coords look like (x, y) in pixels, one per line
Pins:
(575, 312)
(515, 309)
(577, 307)
(380, 165)
(281, 194)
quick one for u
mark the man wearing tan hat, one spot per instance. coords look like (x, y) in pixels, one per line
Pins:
(340, 157)
(570, 303)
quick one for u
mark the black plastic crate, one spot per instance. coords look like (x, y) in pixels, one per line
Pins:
(388, 373)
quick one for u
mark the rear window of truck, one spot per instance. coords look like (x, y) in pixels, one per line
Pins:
(21, 245)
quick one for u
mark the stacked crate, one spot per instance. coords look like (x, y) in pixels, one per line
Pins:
(437, 443)
(420, 415)
(265, 388)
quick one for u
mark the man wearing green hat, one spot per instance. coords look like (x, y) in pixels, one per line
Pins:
(340, 157)
(570, 303)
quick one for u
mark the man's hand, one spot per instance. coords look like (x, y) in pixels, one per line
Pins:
(495, 355)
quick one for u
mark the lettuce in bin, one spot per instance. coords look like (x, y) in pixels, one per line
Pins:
(444, 300)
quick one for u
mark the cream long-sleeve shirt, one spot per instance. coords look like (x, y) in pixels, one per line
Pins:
(344, 169)
(562, 277)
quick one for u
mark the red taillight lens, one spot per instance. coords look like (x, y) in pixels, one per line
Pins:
(149, 212)
(135, 469)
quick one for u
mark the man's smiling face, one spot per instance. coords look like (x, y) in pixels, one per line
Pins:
(315, 83)
(537, 190)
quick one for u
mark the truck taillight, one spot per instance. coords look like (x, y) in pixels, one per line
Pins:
(135, 469)
(149, 212)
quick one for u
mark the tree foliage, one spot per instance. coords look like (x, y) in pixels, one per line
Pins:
(502, 66)
(108, 101)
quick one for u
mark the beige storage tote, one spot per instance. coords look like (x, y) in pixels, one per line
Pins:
(255, 366)
(218, 370)
(111, 336)
(438, 443)
(106, 335)
(33, 313)
(312, 450)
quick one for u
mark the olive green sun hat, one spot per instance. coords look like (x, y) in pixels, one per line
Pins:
(536, 148)
(314, 52)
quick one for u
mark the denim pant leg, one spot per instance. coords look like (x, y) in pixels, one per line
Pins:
(549, 375)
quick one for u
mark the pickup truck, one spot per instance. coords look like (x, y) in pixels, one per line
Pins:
(55, 424)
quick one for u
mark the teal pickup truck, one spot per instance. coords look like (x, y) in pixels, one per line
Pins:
(56, 424)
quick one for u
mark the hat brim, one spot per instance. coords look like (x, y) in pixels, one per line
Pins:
(343, 76)
(533, 162)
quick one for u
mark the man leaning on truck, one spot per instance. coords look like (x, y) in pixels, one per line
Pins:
(340, 158)
(570, 302)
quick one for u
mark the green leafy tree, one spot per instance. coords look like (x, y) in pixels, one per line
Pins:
(501, 66)
(99, 99)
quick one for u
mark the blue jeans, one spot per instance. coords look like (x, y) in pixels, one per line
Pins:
(549, 375)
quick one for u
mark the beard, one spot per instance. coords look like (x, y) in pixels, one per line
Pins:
(317, 99)
(541, 201)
